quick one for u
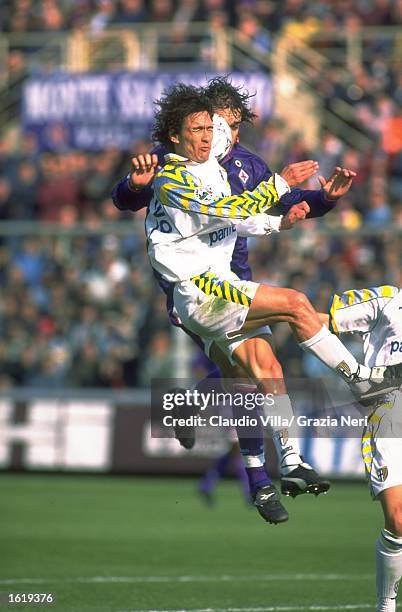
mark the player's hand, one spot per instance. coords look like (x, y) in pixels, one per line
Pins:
(142, 171)
(338, 183)
(296, 213)
(297, 173)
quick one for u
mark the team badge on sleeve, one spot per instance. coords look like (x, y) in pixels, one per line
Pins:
(382, 474)
(203, 194)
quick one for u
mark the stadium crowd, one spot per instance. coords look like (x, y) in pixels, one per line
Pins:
(84, 310)
(61, 15)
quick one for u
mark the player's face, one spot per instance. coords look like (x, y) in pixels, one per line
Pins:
(233, 119)
(195, 138)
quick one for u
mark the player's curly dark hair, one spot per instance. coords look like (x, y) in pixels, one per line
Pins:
(223, 94)
(176, 103)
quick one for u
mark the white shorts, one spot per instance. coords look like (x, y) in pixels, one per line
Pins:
(382, 445)
(215, 309)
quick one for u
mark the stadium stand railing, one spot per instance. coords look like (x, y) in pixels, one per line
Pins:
(302, 65)
(11, 229)
(350, 48)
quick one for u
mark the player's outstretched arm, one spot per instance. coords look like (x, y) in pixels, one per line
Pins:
(321, 201)
(264, 225)
(177, 188)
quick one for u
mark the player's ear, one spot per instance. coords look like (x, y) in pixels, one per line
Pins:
(174, 138)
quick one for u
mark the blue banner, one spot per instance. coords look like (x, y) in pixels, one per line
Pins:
(95, 111)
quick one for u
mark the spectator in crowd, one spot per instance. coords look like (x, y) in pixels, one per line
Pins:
(24, 191)
(103, 16)
(5, 199)
(52, 18)
(161, 11)
(131, 12)
(253, 36)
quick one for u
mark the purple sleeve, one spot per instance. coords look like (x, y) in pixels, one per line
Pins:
(256, 170)
(315, 198)
(319, 204)
(125, 199)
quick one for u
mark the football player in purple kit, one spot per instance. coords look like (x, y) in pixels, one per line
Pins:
(245, 171)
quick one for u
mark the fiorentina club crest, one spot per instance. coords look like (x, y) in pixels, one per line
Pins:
(382, 474)
(243, 176)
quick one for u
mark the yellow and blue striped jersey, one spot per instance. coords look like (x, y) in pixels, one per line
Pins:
(176, 186)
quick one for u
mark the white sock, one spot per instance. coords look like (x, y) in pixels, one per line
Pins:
(386, 605)
(287, 448)
(330, 350)
(389, 570)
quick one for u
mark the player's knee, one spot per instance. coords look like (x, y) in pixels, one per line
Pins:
(394, 521)
(299, 304)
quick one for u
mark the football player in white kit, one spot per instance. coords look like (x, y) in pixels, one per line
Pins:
(376, 314)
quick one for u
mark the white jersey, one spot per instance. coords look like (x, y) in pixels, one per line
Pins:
(176, 236)
(192, 218)
(376, 314)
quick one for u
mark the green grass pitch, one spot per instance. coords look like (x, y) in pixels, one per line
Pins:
(121, 543)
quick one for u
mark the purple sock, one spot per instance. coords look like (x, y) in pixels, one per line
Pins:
(257, 478)
(212, 381)
(251, 441)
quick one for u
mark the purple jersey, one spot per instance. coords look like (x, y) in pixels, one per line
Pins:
(245, 171)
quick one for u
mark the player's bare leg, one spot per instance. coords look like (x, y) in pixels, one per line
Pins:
(389, 550)
(274, 305)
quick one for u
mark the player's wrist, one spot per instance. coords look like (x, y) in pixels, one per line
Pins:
(132, 186)
(327, 198)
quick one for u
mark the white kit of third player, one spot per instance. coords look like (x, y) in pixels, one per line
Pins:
(376, 313)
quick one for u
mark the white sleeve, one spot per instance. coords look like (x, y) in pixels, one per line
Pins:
(357, 310)
(259, 225)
